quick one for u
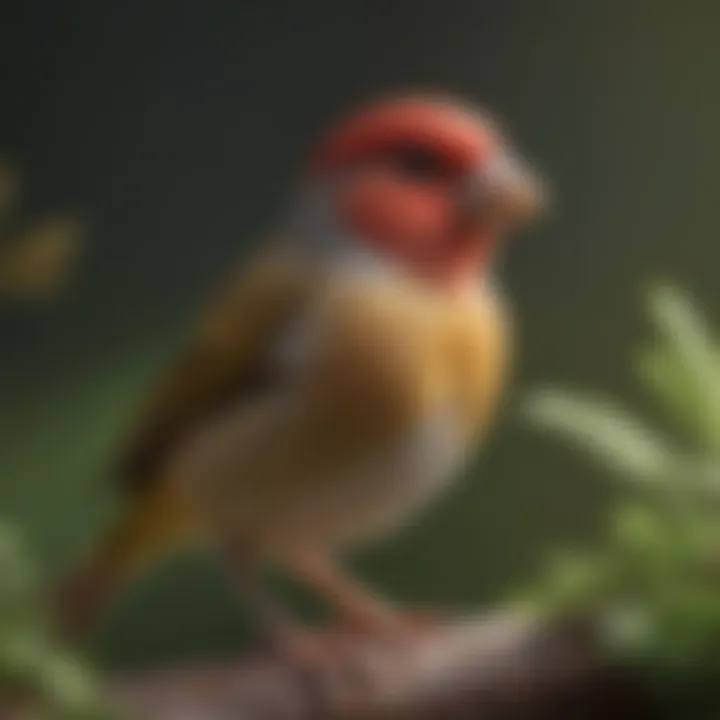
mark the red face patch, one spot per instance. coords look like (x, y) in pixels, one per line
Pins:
(405, 166)
(395, 214)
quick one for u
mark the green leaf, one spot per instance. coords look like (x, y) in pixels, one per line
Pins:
(613, 436)
(639, 528)
(665, 377)
(680, 323)
(570, 582)
(683, 369)
(22, 655)
(29, 659)
(651, 548)
(17, 575)
(630, 629)
(660, 561)
(68, 683)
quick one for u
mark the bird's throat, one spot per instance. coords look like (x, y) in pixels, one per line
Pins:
(458, 264)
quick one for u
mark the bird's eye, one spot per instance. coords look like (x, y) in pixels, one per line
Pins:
(418, 162)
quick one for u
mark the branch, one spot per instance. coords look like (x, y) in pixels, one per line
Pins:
(499, 668)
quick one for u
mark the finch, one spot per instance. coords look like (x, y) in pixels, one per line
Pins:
(340, 378)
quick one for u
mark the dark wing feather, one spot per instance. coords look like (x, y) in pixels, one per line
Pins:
(226, 361)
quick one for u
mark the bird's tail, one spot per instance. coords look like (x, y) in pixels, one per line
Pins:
(147, 528)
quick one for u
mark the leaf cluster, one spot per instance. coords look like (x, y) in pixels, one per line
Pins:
(654, 583)
(34, 667)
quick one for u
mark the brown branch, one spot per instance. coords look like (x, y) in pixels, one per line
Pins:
(500, 668)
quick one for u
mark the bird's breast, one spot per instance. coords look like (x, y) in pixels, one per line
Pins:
(387, 389)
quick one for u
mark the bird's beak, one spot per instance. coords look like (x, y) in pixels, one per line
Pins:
(504, 193)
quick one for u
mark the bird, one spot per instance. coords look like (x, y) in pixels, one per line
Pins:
(339, 379)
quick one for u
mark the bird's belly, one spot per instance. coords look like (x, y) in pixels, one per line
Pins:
(362, 502)
(240, 476)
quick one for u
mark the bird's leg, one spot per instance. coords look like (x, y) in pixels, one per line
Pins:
(363, 612)
(283, 633)
(323, 661)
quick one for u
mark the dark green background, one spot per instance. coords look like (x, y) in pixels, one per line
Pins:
(175, 128)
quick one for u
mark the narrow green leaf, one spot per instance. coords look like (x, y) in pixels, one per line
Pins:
(613, 436)
(683, 369)
(664, 376)
(681, 324)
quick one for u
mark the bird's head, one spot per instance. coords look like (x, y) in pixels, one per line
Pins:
(426, 182)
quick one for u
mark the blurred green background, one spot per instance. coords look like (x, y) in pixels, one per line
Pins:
(175, 128)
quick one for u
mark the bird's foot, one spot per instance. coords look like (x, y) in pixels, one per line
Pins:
(399, 628)
(349, 661)
(335, 665)
(346, 662)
